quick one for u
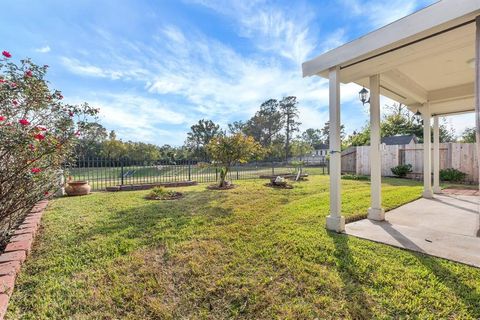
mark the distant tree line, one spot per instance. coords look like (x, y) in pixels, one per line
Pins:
(274, 126)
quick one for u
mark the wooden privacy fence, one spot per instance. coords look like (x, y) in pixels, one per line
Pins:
(461, 156)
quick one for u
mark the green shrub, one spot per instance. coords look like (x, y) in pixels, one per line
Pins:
(161, 193)
(355, 177)
(451, 174)
(402, 170)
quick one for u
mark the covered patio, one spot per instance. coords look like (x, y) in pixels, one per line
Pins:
(428, 61)
(444, 226)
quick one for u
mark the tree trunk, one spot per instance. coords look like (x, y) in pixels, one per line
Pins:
(223, 176)
(287, 141)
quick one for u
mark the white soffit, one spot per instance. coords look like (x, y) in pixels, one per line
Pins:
(423, 57)
(423, 23)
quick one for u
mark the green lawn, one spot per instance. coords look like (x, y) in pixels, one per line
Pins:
(251, 252)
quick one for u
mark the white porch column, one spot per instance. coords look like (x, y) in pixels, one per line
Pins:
(335, 221)
(427, 153)
(477, 97)
(375, 212)
(436, 156)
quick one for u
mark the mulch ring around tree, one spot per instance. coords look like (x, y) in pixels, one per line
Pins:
(278, 186)
(217, 187)
(171, 195)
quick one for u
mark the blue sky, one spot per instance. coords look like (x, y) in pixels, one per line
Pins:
(156, 67)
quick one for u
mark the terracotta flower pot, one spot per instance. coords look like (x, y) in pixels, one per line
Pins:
(77, 188)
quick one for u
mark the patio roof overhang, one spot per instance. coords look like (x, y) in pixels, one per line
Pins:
(429, 61)
(427, 56)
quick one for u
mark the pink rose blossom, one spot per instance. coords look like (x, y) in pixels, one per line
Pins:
(24, 122)
(39, 136)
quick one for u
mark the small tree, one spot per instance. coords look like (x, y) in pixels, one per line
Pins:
(38, 133)
(226, 151)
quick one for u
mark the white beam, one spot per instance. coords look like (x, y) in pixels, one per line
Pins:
(375, 212)
(477, 98)
(466, 90)
(460, 39)
(335, 221)
(396, 80)
(427, 153)
(436, 156)
(449, 107)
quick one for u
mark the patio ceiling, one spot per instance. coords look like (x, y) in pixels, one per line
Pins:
(427, 56)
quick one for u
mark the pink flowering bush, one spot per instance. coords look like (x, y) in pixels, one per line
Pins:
(38, 132)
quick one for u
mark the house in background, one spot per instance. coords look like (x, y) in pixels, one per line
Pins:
(400, 140)
(318, 156)
(320, 151)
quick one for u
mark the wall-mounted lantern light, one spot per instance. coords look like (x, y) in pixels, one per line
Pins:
(364, 96)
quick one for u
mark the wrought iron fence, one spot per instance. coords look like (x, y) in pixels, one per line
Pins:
(102, 172)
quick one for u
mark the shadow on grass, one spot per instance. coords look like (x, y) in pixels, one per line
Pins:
(156, 221)
(398, 182)
(358, 303)
(470, 296)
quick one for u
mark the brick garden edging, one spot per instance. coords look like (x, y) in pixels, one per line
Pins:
(16, 251)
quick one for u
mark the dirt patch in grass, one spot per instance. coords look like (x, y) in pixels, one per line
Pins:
(170, 196)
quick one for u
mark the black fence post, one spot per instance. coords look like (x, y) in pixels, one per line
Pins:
(273, 168)
(189, 170)
(216, 174)
(237, 172)
(121, 170)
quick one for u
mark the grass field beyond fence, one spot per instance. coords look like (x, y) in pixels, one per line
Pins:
(102, 173)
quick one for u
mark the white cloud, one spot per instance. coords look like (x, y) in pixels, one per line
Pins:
(195, 76)
(115, 73)
(45, 49)
(221, 83)
(139, 118)
(213, 79)
(379, 12)
(283, 31)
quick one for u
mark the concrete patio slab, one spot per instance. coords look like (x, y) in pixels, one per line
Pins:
(444, 227)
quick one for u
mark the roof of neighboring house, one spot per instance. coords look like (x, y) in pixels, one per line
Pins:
(320, 146)
(396, 140)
